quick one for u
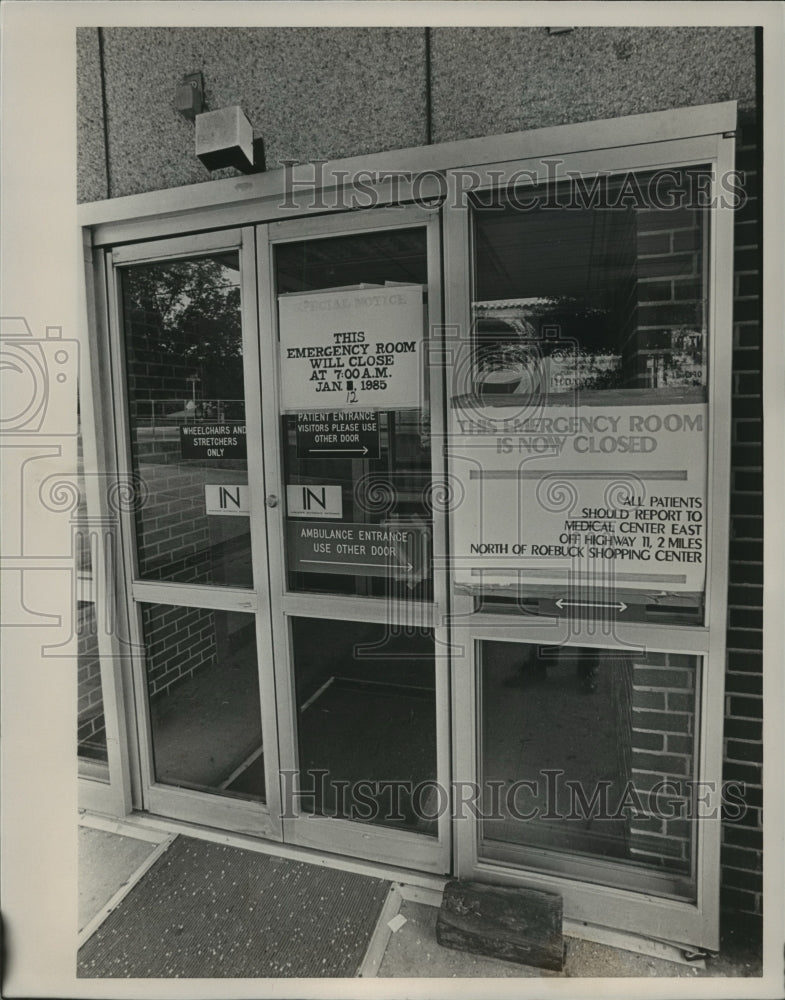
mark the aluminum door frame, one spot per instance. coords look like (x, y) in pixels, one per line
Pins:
(361, 840)
(253, 818)
(695, 924)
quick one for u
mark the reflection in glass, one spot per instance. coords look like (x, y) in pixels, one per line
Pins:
(389, 496)
(91, 726)
(203, 695)
(366, 722)
(186, 399)
(594, 294)
(589, 752)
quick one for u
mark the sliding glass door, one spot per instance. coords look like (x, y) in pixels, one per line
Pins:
(186, 358)
(354, 533)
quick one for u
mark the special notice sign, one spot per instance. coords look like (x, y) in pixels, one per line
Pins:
(611, 494)
(355, 349)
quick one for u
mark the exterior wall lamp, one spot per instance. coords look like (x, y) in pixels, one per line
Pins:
(224, 138)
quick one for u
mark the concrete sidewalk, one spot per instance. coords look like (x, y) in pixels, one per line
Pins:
(111, 862)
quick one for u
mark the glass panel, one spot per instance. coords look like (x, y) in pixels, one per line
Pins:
(589, 377)
(91, 727)
(203, 693)
(366, 723)
(599, 294)
(184, 367)
(355, 423)
(589, 752)
(83, 554)
(91, 738)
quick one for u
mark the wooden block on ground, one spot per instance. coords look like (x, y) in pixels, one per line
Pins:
(514, 924)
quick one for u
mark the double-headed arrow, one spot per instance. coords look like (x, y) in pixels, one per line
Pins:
(561, 603)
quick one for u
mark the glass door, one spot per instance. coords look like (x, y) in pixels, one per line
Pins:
(185, 363)
(356, 533)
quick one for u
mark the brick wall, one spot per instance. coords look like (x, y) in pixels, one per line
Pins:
(179, 641)
(621, 694)
(670, 319)
(662, 749)
(742, 839)
(668, 244)
(91, 732)
(172, 531)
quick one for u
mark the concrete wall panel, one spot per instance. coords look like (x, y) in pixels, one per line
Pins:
(492, 80)
(91, 184)
(309, 93)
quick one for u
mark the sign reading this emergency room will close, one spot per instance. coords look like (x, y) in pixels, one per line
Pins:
(355, 349)
(614, 495)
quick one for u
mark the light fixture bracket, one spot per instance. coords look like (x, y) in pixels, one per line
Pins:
(189, 96)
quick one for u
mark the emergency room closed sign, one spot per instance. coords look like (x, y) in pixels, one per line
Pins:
(614, 495)
(352, 349)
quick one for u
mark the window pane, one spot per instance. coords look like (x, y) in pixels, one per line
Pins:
(597, 296)
(203, 694)
(589, 752)
(366, 722)
(187, 420)
(588, 379)
(358, 476)
(91, 726)
(91, 739)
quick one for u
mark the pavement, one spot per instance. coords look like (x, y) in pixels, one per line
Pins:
(110, 862)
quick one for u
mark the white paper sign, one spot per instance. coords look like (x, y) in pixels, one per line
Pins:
(609, 495)
(314, 501)
(352, 349)
(227, 500)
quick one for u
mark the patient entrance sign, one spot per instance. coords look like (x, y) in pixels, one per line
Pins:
(338, 435)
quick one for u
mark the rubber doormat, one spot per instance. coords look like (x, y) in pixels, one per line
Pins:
(207, 910)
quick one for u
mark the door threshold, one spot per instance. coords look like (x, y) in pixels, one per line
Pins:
(626, 941)
(147, 826)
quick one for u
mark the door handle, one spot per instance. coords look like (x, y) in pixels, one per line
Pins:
(271, 500)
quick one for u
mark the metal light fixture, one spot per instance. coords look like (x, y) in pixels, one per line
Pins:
(224, 138)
